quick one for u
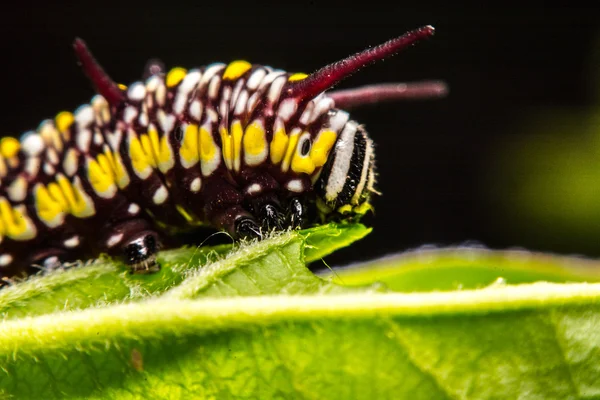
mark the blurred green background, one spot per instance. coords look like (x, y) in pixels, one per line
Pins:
(511, 158)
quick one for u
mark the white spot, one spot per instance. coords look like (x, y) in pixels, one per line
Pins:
(52, 156)
(236, 92)
(275, 89)
(98, 139)
(129, 114)
(32, 165)
(101, 111)
(143, 119)
(212, 117)
(70, 162)
(322, 106)
(72, 242)
(166, 121)
(307, 113)
(84, 116)
(114, 138)
(17, 191)
(160, 196)
(196, 110)
(32, 143)
(213, 87)
(210, 71)
(344, 148)
(161, 94)
(196, 185)
(152, 83)
(83, 139)
(49, 169)
(270, 78)
(114, 240)
(287, 108)
(189, 83)
(255, 79)
(133, 209)
(295, 185)
(136, 92)
(252, 101)
(5, 259)
(338, 120)
(225, 97)
(255, 188)
(240, 103)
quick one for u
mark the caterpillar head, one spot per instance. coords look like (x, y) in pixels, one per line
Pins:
(346, 181)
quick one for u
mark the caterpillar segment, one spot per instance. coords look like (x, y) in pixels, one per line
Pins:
(240, 147)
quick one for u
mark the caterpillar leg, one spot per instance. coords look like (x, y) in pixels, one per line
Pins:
(268, 212)
(140, 253)
(135, 242)
(296, 213)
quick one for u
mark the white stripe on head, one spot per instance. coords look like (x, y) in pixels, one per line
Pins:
(365, 169)
(341, 164)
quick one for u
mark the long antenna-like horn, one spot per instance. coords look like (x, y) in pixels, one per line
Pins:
(102, 82)
(331, 74)
(348, 98)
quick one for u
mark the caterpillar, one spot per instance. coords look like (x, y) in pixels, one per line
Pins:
(239, 147)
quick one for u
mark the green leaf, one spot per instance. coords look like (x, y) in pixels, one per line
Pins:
(463, 268)
(105, 282)
(257, 324)
(539, 339)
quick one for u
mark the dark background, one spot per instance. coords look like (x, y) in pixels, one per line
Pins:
(501, 65)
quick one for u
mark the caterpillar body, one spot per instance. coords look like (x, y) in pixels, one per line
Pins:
(239, 147)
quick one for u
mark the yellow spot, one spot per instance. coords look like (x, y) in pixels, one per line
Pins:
(121, 86)
(139, 160)
(61, 197)
(237, 133)
(101, 177)
(166, 161)
(207, 145)
(321, 147)
(9, 147)
(189, 146)
(345, 209)
(49, 209)
(63, 122)
(175, 76)
(116, 164)
(81, 205)
(209, 152)
(363, 208)
(297, 77)
(302, 164)
(227, 147)
(236, 69)
(146, 141)
(254, 139)
(291, 149)
(16, 224)
(278, 146)
(158, 150)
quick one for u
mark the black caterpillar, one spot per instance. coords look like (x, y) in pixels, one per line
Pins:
(238, 147)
